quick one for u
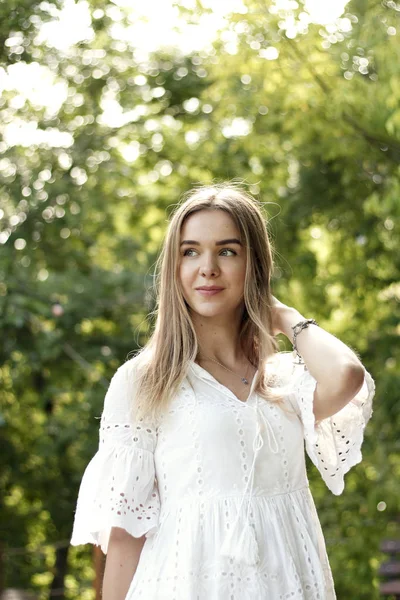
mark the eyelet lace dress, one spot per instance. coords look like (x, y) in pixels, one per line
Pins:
(219, 487)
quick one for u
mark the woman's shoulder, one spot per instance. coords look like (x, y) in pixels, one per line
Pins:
(132, 365)
(122, 392)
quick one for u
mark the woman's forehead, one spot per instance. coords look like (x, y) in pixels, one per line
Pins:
(209, 223)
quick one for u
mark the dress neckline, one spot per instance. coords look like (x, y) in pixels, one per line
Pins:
(204, 374)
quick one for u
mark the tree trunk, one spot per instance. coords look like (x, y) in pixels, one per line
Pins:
(60, 570)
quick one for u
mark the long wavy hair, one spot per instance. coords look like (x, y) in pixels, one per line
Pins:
(163, 362)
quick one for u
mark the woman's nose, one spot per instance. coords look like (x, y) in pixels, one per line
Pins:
(209, 265)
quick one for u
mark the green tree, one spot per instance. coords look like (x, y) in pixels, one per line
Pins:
(307, 115)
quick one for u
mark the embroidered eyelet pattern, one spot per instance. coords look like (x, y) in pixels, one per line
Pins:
(197, 463)
(226, 579)
(274, 412)
(334, 445)
(242, 445)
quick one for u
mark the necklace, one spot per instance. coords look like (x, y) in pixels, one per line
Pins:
(223, 366)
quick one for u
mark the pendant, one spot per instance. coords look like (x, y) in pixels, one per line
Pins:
(245, 380)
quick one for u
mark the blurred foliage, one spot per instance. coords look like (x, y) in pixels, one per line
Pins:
(309, 116)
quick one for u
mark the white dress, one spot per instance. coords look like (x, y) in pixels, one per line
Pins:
(219, 487)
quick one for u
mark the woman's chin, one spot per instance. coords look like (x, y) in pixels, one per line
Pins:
(213, 311)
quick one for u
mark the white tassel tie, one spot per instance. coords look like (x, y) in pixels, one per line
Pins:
(240, 543)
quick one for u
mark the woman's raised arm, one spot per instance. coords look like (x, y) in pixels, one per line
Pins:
(336, 368)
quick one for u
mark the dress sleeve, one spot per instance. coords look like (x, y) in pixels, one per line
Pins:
(333, 444)
(118, 488)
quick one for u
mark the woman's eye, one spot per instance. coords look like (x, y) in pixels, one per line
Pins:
(223, 250)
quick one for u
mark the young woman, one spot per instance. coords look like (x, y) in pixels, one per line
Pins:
(199, 488)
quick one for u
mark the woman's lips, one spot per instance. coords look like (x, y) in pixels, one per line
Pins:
(209, 292)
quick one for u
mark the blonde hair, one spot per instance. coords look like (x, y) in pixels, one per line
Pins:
(164, 361)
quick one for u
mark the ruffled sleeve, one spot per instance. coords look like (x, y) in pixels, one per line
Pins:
(333, 444)
(118, 488)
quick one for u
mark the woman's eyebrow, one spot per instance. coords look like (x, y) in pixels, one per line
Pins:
(220, 243)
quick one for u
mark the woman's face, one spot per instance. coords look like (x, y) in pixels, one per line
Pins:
(206, 262)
